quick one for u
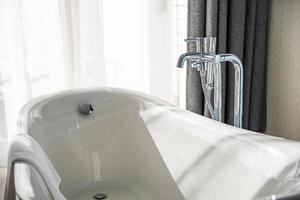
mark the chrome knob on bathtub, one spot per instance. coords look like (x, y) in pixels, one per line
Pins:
(85, 109)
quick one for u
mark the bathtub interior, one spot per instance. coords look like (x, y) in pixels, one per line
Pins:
(109, 152)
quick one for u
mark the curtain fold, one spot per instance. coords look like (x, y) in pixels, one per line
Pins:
(196, 28)
(240, 27)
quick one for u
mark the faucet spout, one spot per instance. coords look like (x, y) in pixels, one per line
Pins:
(198, 58)
(187, 56)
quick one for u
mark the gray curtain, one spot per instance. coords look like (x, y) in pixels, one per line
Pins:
(241, 28)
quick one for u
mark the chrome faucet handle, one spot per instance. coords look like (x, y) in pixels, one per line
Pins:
(192, 39)
(197, 40)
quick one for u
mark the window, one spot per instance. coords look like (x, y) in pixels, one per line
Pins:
(52, 45)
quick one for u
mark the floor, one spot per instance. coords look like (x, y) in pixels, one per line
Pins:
(2, 182)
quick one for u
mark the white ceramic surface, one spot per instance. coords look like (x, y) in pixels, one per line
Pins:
(138, 147)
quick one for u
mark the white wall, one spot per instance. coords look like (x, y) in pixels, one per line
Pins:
(283, 97)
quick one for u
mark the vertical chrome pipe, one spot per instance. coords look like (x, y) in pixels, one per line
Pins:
(210, 49)
(238, 86)
(218, 91)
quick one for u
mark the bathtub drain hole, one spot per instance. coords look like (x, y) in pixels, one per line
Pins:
(100, 196)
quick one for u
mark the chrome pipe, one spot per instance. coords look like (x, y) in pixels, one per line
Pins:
(205, 61)
(238, 86)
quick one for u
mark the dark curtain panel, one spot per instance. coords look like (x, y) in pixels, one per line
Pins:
(240, 27)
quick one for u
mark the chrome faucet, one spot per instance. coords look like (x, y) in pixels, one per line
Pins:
(209, 65)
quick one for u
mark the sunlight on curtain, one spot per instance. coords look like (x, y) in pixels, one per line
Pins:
(52, 45)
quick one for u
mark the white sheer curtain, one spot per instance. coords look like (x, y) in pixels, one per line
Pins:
(45, 46)
(52, 45)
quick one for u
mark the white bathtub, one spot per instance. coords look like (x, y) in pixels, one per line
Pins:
(136, 147)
